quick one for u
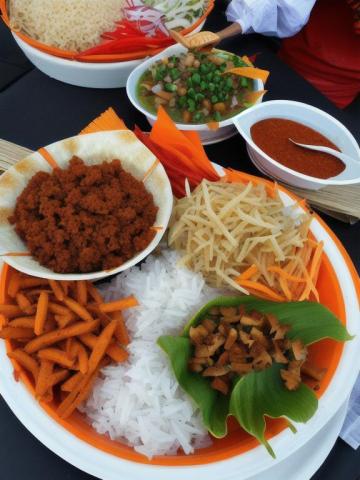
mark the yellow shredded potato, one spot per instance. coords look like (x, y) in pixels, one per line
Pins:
(222, 229)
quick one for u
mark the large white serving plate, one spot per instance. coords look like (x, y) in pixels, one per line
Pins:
(242, 467)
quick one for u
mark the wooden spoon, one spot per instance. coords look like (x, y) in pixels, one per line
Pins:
(196, 40)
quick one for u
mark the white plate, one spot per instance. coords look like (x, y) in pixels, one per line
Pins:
(241, 467)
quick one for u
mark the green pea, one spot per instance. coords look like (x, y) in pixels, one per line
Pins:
(200, 97)
(170, 87)
(209, 76)
(191, 93)
(198, 117)
(214, 99)
(203, 85)
(175, 73)
(191, 103)
(229, 82)
(244, 82)
(182, 102)
(217, 116)
(217, 79)
(211, 87)
(189, 82)
(204, 68)
(196, 79)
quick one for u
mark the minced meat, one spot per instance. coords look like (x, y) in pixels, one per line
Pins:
(85, 218)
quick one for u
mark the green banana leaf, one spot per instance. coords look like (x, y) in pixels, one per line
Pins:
(257, 394)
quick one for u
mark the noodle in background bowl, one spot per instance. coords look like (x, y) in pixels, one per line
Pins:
(93, 149)
(237, 455)
(95, 71)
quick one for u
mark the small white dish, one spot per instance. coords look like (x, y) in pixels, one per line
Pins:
(226, 127)
(311, 117)
(93, 148)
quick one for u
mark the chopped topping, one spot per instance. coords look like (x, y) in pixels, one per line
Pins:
(230, 342)
(220, 385)
(291, 376)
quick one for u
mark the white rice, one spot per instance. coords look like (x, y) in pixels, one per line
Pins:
(140, 402)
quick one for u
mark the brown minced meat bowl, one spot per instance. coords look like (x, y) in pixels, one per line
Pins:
(85, 218)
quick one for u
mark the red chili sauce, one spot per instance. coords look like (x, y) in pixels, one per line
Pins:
(272, 137)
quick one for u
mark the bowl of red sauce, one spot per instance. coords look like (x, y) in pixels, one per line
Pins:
(267, 128)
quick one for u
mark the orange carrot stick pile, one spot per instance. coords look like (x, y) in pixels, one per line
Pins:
(62, 334)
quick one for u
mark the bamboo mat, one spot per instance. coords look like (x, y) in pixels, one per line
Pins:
(342, 203)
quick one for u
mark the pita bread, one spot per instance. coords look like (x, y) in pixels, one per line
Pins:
(93, 149)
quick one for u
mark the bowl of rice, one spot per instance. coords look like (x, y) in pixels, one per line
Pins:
(53, 37)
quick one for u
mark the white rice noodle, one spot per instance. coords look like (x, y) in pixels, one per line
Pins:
(140, 402)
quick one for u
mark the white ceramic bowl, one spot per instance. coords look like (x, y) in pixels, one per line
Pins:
(312, 117)
(256, 462)
(82, 74)
(226, 127)
(93, 149)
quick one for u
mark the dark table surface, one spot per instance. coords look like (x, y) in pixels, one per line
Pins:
(36, 110)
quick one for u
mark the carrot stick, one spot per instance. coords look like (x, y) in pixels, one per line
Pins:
(65, 284)
(285, 288)
(24, 303)
(315, 265)
(56, 355)
(48, 396)
(78, 309)
(23, 322)
(82, 395)
(47, 339)
(83, 358)
(81, 292)
(63, 320)
(248, 273)
(71, 383)
(70, 347)
(121, 332)
(59, 309)
(114, 351)
(58, 377)
(42, 384)
(261, 288)
(102, 343)
(283, 273)
(82, 389)
(57, 289)
(249, 72)
(41, 313)
(14, 284)
(121, 304)
(26, 361)
(15, 333)
(94, 293)
(30, 282)
(10, 311)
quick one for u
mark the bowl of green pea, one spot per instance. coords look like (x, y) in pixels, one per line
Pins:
(196, 90)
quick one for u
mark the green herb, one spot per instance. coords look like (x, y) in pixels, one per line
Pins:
(170, 87)
(256, 394)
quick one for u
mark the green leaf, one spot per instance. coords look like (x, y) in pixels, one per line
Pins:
(263, 393)
(309, 321)
(257, 394)
(213, 405)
